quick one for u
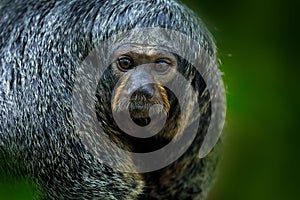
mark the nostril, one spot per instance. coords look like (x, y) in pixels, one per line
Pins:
(147, 90)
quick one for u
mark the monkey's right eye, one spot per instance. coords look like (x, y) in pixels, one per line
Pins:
(125, 63)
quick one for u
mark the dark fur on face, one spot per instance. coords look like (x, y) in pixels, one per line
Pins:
(131, 94)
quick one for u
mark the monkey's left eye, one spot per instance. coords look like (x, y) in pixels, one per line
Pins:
(162, 66)
(125, 63)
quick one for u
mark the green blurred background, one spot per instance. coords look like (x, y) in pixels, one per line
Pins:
(258, 46)
(259, 49)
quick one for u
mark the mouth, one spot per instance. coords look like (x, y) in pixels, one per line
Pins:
(144, 113)
(144, 121)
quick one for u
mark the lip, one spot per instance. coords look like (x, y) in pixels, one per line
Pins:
(141, 117)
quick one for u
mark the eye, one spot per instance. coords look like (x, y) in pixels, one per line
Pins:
(162, 65)
(125, 63)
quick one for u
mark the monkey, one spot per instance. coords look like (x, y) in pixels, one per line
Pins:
(45, 132)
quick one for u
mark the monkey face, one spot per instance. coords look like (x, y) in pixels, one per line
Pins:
(142, 71)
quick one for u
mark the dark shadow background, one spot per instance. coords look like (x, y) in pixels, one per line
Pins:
(258, 42)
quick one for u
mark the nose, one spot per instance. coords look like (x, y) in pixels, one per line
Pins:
(147, 90)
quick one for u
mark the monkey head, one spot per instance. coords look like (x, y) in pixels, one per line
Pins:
(134, 101)
(135, 106)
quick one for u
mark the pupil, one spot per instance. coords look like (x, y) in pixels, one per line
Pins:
(125, 63)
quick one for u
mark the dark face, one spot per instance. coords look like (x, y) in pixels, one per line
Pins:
(133, 91)
(142, 70)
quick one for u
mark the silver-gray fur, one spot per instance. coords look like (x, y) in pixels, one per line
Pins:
(41, 43)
